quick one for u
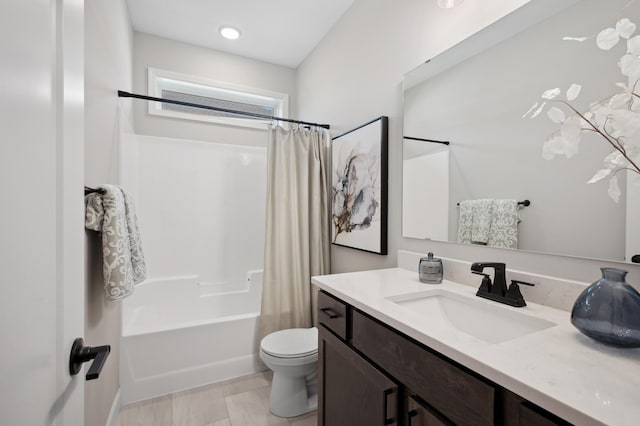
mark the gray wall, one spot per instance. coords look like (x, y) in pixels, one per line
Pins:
(169, 55)
(108, 67)
(355, 74)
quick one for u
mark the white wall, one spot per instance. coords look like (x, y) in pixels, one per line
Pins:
(355, 74)
(169, 55)
(200, 206)
(108, 49)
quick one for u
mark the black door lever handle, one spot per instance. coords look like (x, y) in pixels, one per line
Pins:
(81, 354)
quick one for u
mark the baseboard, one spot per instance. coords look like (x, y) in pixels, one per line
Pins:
(112, 420)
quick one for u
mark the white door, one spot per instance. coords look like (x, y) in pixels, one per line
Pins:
(41, 210)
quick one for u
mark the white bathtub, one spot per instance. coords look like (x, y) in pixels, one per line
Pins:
(178, 334)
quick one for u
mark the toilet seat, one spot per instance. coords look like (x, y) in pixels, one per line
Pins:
(293, 356)
(291, 343)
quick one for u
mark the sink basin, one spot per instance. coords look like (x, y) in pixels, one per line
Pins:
(486, 321)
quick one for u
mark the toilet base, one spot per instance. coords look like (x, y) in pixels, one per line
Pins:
(293, 396)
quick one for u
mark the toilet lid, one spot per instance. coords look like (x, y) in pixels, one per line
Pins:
(291, 343)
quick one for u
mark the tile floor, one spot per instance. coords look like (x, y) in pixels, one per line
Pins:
(238, 402)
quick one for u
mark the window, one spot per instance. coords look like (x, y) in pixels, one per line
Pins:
(186, 88)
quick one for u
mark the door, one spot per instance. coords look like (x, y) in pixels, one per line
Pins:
(41, 210)
(353, 392)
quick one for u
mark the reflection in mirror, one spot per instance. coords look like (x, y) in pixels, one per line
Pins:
(475, 95)
(425, 166)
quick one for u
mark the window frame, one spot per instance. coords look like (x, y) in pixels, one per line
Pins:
(161, 79)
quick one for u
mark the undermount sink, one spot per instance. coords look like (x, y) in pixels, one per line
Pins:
(477, 318)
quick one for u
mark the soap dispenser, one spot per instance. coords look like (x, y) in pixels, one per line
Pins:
(430, 269)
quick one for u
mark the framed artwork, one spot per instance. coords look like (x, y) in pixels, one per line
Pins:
(359, 187)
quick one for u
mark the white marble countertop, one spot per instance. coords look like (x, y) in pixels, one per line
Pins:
(559, 369)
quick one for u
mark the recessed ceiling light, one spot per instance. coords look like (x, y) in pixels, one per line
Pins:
(448, 4)
(229, 32)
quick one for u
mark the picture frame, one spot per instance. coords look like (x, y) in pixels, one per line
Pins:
(359, 187)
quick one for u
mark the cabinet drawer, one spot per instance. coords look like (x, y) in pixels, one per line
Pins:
(458, 395)
(332, 313)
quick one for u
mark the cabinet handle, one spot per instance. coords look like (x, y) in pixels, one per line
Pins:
(329, 312)
(385, 415)
(412, 414)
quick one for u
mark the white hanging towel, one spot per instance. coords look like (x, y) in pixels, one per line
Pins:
(503, 231)
(113, 215)
(475, 221)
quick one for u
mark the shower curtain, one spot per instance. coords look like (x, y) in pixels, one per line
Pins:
(297, 226)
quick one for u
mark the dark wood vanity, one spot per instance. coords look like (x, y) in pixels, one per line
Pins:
(371, 374)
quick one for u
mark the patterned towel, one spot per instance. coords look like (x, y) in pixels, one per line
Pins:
(504, 224)
(113, 215)
(481, 223)
(474, 221)
(489, 222)
(465, 221)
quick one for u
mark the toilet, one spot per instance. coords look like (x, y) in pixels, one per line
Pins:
(292, 354)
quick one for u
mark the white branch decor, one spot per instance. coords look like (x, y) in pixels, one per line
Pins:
(614, 119)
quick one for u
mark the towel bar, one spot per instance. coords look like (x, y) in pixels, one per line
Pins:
(524, 203)
(88, 190)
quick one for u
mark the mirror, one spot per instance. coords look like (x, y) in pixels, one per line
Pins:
(474, 95)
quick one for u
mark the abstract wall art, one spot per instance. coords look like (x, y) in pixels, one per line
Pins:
(359, 187)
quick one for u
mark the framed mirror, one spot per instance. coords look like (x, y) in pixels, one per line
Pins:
(474, 96)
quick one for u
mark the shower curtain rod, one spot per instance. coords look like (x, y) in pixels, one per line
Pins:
(426, 140)
(123, 94)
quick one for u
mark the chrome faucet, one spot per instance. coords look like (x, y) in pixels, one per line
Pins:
(497, 290)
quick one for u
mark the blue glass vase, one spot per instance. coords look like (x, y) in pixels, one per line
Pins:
(609, 310)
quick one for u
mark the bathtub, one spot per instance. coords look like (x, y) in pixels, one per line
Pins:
(179, 333)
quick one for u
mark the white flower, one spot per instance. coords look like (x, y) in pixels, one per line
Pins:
(633, 45)
(556, 115)
(614, 160)
(607, 38)
(564, 142)
(571, 131)
(626, 125)
(551, 93)
(573, 91)
(600, 114)
(621, 100)
(530, 109)
(625, 28)
(616, 118)
(539, 110)
(600, 174)
(630, 67)
(575, 38)
(614, 189)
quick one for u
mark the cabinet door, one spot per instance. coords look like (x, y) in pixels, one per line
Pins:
(462, 397)
(529, 416)
(352, 392)
(517, 411)
(420, 415)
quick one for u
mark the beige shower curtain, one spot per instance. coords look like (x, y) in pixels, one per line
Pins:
(297, 226)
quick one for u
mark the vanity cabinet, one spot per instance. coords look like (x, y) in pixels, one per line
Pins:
(371, 374)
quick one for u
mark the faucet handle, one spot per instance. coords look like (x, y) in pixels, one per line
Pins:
(485, 286)
(514, 295)
(521, 282)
